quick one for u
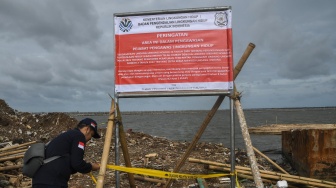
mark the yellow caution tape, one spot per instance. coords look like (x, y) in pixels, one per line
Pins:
(237, 182)
(93, 178)
(164, 174)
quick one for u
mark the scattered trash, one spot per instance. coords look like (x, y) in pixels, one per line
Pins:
(145, 151)
(282, 184)
(224, 180)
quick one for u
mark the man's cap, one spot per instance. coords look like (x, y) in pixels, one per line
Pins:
(93, 125)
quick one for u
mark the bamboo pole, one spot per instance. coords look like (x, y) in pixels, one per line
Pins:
(251, 178)
(193, 160)
(11, 158)
(141, 178)
(212, 163)
(242, 60)
(275, 177)
(8, 175)
(11, 167)
(248, 145)
(123, 143)
(107, 144)
(245, 176)
(12, 152)
(16, 146)
(212, 112)
(270, 160)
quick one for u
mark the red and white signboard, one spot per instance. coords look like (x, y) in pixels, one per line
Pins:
(184, 51)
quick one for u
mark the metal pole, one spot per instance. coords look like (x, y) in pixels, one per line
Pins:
(233, 157)
(117, 177)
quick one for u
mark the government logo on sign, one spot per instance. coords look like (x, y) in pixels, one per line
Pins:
(221, 19)
(125, 25)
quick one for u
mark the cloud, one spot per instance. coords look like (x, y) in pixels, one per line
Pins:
(59, 55)
(299, 51)
(50, 22)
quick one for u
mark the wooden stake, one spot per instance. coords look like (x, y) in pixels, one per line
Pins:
(107, 144)
(17, 146)
(270, 160)
(251, 178)
(123, 143)
(214, 109)
(275, 177)
(12, 152)
(8, 175)
(11, 158)
(11, 167)
(242, 168)
(149, 179)
(242, 60)
(248, 145)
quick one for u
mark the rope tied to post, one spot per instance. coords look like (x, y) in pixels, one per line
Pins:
(236, 96)
(117, 121)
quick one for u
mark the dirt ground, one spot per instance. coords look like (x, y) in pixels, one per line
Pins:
(20, 127)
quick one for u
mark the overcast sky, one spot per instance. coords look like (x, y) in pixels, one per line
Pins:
(59, 55)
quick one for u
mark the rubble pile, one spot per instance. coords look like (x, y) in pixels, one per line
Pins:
(145, 151)
(20, 127)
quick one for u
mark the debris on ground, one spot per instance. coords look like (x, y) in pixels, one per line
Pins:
(145, 151)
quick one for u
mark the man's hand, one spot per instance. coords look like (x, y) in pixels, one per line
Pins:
(95, 166)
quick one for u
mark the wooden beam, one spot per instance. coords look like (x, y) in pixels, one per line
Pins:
(248, 145)
(123, 143)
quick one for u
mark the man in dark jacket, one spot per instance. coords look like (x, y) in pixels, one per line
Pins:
(70, 145)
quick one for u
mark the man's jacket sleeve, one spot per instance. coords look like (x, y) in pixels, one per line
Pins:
(76, 157)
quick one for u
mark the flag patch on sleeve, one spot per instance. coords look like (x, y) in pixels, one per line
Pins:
(81, 145)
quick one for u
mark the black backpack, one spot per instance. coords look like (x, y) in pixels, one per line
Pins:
(34, 158)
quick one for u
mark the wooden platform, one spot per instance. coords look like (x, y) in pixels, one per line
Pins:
(278, 128)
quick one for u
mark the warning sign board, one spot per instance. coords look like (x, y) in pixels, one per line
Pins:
(167, 51)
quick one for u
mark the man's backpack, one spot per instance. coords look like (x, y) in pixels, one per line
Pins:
(34, 158)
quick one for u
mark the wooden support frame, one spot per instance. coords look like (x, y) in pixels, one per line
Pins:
(121, 133)
(112, 123)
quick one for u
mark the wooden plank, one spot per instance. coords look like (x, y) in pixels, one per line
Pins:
(276, 129)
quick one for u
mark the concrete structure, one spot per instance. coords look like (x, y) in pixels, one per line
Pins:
(312, 152)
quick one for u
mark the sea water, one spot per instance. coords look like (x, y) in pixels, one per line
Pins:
(184, 125)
